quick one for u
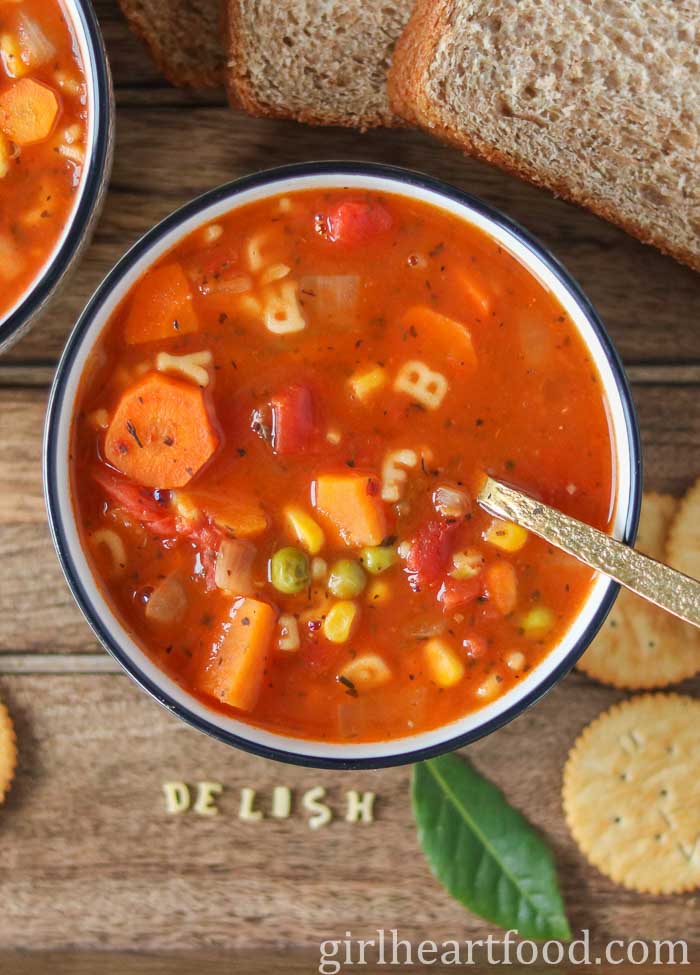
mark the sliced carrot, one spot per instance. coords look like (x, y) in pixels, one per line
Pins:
(476, 293)
(242, 516)
(161, 434)
(351, 502)
(161, 307)
(28, 111)
(502, 586)
(444, 331)
(235, 672)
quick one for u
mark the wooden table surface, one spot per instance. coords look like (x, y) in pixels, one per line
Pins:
(89, 860)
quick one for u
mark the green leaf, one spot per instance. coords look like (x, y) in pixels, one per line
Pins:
(484, 852)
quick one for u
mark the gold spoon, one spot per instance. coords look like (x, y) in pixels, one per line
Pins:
(667, 588)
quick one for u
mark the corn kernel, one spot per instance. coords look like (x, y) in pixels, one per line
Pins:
(467, 565)
(445, 666)
(378, 592)
(185, 506)
(537, 622)
(365, 384)
(506, 535)
(338, 625)
(366, 672)
(304, 528)
(11, 53)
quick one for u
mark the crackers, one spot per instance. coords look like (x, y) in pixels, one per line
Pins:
(632, 794)
(8, 752)
(640, 646)
(683, 549)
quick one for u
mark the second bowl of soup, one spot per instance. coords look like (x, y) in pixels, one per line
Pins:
(264, 445)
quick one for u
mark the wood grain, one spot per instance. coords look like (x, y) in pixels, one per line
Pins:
(90, 865)
(649, 303)
(33, 587)
(90, 857)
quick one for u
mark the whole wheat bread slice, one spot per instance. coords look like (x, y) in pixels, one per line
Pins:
(318, 61)
(183, 36)
(599, 100)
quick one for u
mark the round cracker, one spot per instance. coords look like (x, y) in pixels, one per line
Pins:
(8, 752)
(632, 793)
(683, 548)
(640, 646)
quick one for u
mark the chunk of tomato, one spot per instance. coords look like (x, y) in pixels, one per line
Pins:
(356, 221)
(293, 420)
(430, 552)
(207, 538)
(149, 510)
(454, 593)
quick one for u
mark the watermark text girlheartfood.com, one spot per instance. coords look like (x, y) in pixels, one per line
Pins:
(389, 948)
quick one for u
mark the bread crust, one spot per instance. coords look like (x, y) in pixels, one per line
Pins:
(241, 93)
(407, 96)
(209, 76)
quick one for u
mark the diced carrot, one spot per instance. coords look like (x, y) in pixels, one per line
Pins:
(234, 674)
(477, 295)
(352, 503)
(161, 434)
(445, 332)
(161, 306)
(241, 516)
(501, 583)
(28, 111)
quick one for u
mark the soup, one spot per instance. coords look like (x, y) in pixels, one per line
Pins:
(43, 130)
(276, 447)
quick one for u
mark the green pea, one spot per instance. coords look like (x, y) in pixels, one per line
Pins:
(378, 559)
(289, 570)
(346, 579)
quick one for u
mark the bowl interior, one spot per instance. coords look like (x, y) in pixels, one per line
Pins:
(96, 77)
(108, 627)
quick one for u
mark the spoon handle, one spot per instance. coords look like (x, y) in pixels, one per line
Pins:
(667, 588)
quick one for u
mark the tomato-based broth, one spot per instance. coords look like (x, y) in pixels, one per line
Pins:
(278, 441)
(43, 131)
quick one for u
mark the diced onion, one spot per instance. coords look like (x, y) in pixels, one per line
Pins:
(234, 566)
(11, 261)
(36, 47)
(168, 601)
(288, 639)
(451, 502)
(333, 294)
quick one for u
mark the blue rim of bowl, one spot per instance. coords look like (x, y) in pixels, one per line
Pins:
(407, 178)
(43, 288)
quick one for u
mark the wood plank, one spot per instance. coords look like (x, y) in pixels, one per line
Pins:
(255, 962)
(669, 417)
(649, 303)
(94, 752)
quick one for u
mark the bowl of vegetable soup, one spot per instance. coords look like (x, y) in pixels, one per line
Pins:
(263, 446)
(55, 149)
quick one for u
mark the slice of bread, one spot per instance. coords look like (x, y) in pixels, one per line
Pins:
(599, 101)
(183, 36)
(318, 61)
